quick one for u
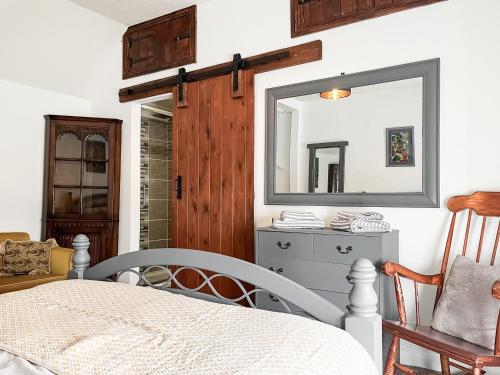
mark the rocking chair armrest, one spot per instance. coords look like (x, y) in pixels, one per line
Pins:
(393, 269)
(496, 294)
(496, 289)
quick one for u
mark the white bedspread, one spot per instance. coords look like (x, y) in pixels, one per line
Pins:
(88, 327)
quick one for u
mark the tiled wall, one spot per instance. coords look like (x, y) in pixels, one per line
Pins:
(156, 170)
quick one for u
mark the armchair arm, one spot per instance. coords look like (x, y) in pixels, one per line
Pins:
(396, 271)
(393, 269)
(496, 294)
(496, 289)
(60, 260)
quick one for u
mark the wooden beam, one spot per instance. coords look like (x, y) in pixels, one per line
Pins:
(262, 63)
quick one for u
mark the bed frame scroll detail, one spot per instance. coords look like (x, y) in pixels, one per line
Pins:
(362, 322)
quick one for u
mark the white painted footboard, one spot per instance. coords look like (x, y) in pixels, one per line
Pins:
(363, 322)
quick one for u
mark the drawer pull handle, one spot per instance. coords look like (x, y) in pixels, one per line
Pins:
(285, 246)
(349, 279)
(273, 298)
(347, 250)
(279, 270)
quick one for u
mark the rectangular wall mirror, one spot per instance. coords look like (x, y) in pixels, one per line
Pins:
(364, 139)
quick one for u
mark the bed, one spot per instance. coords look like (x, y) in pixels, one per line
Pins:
(89, 325)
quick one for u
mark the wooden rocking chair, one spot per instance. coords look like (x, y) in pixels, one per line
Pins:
(484, 204)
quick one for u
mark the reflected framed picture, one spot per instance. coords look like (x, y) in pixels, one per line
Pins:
(400, 147)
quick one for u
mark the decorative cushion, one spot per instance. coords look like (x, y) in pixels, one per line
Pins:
(2, 253)
(467, 309)
(27, 257)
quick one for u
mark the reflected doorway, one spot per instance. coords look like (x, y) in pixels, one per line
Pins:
(156, 174)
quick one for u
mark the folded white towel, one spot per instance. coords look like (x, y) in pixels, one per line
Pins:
(368, 215)
(298, 215)
(298, 224)
(358, 226)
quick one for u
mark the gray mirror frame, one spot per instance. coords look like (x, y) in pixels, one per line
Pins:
(429, 197)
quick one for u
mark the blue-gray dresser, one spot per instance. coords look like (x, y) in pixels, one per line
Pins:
(320, 260)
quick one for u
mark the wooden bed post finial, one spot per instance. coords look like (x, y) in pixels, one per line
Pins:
(363, 322)
(81, 259)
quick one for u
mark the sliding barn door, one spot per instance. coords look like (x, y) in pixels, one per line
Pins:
(213, 162)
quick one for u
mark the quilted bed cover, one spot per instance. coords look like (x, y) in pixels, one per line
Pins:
(92, 327)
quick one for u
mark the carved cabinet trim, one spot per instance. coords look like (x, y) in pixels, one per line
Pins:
(161, 43)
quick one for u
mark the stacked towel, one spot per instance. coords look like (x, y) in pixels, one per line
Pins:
(297, 220)
(369, 216)
(360, 222)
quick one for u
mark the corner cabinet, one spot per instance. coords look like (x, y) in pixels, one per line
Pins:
(310, 16)
(161, 43)
(82, 182)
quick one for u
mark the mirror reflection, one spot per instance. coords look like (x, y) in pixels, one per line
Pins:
(365, 139)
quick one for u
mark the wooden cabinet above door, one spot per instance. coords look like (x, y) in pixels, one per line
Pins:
(309, 16)
(162, 43)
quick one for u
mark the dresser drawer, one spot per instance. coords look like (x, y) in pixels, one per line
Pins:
(312, 275)
(267, 301)
(345, 249)
(285, 245)
(341, 300)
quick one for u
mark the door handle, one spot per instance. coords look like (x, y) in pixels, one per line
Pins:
(178, 187)
(178, 38)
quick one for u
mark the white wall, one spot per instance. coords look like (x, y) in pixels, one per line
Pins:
(59, 55)
(461, 35)
(55, 45)
(22, 133)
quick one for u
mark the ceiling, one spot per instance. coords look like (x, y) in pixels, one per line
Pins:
(131, 12)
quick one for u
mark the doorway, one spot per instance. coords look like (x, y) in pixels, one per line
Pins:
(156, 175)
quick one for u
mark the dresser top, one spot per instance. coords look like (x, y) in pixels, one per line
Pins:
(325, 231)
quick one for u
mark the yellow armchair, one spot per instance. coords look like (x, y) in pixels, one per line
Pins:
(60, 265)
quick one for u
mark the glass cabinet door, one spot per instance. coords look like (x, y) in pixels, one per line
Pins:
(81, 174)
(68, 146)
(66, 201)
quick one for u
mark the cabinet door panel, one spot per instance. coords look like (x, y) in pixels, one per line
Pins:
(181, 38)
(348, 7)
(331, 9)
(365, 4)
(309, 16)
(161, 43)
(142, 48)
(379, 3)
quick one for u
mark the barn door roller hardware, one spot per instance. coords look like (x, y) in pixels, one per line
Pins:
(265, 62)
(236, 78)
(181, 88)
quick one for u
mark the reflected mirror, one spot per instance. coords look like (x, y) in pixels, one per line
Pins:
(366, 139)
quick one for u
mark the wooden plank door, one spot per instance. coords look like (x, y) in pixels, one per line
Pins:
(213, 154)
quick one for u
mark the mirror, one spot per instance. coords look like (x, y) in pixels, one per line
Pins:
(366, 139)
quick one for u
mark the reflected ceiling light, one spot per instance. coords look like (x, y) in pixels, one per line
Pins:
(336, 94)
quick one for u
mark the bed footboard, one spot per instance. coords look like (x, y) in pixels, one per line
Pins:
(363, 322)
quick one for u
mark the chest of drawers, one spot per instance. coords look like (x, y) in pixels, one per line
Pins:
(320, 260)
